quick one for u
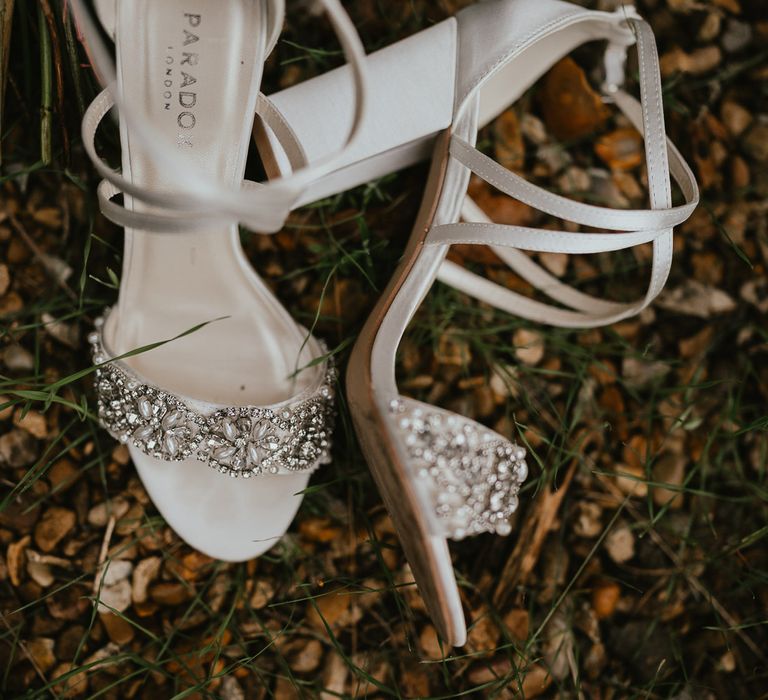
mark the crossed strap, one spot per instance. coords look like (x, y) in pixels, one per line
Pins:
(634, 226)
(171, 213)
(261, 207)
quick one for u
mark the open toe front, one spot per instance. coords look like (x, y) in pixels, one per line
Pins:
(225, 402)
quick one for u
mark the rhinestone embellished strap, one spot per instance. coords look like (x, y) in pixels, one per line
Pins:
(239, 441)
(472, 474)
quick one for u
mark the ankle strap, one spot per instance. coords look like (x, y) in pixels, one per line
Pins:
(167, 219)
(263, 208)
(639, 226)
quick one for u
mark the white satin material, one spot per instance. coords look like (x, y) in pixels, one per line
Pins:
(252, 352)
(520, 37)
(262, 209)
(412, 102)
(645, 226)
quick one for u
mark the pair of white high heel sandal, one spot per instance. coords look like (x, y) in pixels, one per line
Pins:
(227, 396)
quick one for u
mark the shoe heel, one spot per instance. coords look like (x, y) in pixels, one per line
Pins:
(426, 553)
(412, 103)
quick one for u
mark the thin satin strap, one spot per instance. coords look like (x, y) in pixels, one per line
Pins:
(589, 310)
(641, 226)
(167, 219)
(538, 240)
(264, 208)
(563, 208)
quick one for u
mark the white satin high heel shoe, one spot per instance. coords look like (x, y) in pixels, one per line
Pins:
(443, 476)
(248, 394)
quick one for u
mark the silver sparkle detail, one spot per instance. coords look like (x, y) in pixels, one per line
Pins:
(473, 475)
(242, 441)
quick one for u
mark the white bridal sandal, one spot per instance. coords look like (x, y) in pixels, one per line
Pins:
(443, 476)
(248, 394)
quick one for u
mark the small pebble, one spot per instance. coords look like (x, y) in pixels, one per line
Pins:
(605, 189)
(556, 263)
(231, 689)
(756, 141)
(334, 676)
(99, 515)
(727, 662)
(533, 129)
(145, 572)
(737, 36)
(682, 6)
(554, 156)
(670, 469)
(488, 671)
(331, 609)
(308, 658)
(517, 621)
(740, 176)
(40, 573)
(502, 382)
(15, 557)
(262, 594)
(710, 28)
(131, 521)
(604, 599)
(73, 686)
(595, 660)
(429, 643)
(536, 681)
(48, 216)
(18, 448)
(735, 117)
(529, 346)
(115, 570)
(5, 279)
(168, 593)
(697, 62)
(693, 298)
(755, 292)
(121, 455)
(31, 421)
(621, 149)
(642, 373)
(65, 333)
(17, 359)
(40, 651)
(588, 523)
(483, 634)
(574, 180)
(631, 480)
(628, 185)
(620, 544)
(62, 475)
(7, 412)
(54, 526)
(119, 630)
(11, 303)
(319, 530)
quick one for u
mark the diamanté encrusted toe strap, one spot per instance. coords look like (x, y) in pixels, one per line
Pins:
(245, 441)
(470, 474)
